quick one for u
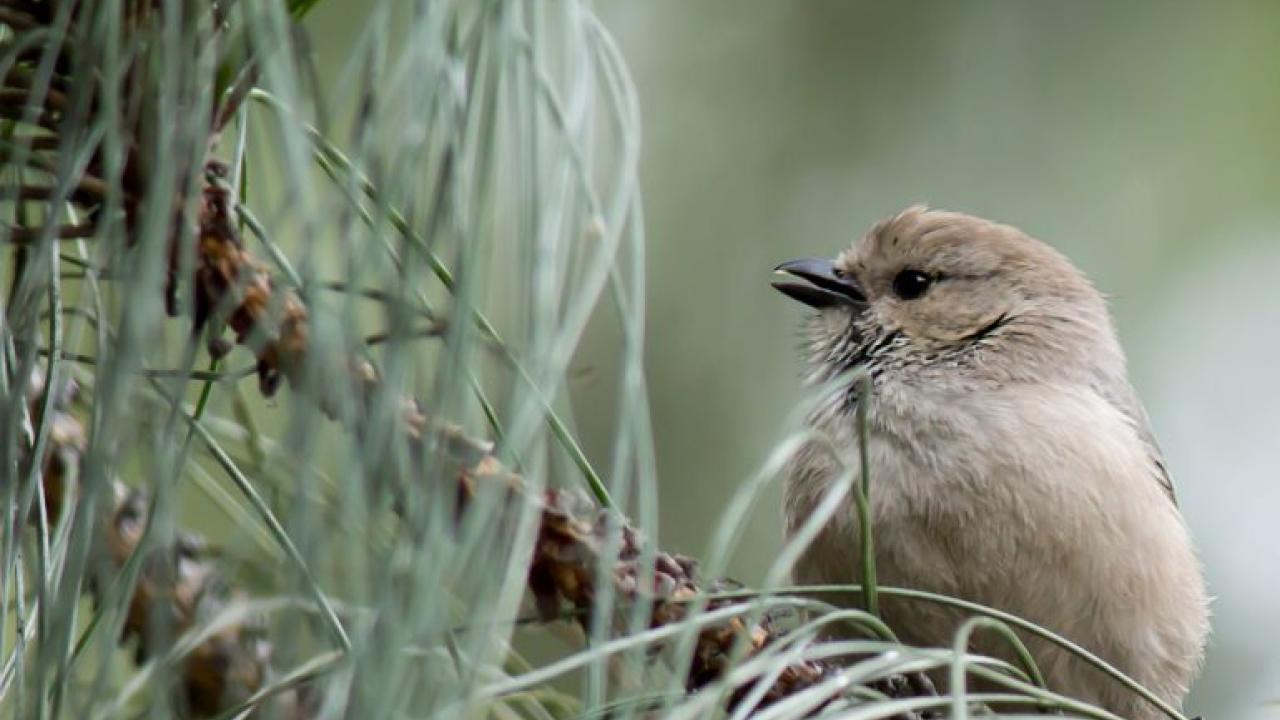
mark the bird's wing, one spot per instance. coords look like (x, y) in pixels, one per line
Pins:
(1122, 397)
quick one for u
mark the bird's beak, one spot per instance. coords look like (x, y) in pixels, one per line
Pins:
(819, 284)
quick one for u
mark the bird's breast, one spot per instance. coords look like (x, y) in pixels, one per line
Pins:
(976, 492)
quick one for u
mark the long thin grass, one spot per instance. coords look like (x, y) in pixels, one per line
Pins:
(330, 333)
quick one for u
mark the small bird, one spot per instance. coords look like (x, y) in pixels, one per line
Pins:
(1010, 461)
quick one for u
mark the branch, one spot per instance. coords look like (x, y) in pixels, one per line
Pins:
(571, 539)
(272, 321)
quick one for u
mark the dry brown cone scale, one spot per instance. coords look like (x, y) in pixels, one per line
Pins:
(234, 291)
(178, 581)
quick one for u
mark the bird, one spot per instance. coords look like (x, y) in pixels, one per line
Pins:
(1010, 462)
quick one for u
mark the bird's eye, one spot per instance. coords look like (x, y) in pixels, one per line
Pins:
(911, 284)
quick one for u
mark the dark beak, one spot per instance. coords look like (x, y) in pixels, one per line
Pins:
(817, 283)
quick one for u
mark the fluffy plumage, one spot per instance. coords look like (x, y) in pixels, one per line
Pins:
(1011, 462)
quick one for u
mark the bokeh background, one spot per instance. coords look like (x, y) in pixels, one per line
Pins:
(1141, 138)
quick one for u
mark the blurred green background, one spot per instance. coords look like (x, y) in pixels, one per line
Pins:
(1141, 138)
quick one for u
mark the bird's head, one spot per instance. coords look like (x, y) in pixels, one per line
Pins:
(935, 296)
